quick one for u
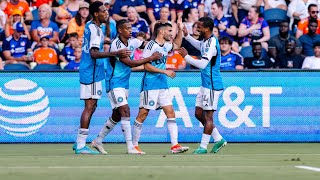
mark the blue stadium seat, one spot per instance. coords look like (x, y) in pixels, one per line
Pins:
(274, 31)
(275, 15)
(46, 67)
(35, 14)
(247, 52)
(16, 67)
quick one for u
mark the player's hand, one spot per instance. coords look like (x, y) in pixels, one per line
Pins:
(183, 52)
(156, 56)
(123, 53)
(170, 73)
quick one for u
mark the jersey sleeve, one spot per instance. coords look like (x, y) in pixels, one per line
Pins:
(239, 60)
(137, 43)
(169, 46)
(95, 37)
(148, 50)
(210, 49)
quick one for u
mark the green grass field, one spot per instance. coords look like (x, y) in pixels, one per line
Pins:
(235, 161)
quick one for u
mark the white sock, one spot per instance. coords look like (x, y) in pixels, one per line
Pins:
(137, 128)
(82, 137)
(126, 129)
(216, 135)
(173, 130)
(106, 129)
(205, 140)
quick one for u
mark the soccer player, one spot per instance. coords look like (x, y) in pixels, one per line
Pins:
(212, 87)
(92, 72)
(155, 91)
(117, 85)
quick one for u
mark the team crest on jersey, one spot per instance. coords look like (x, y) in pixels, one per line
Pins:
(151, 103)
(131, 48)
(22, 43)
(165, 49)
(120, 99)
(207, 49)
(99, 92)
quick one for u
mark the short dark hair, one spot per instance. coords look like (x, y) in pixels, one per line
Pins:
(315, 44)
(74, 34)
(257, 9)
(311, 5)
(158, 26)
(120, 23)
(219, 4)
(207, 22)
(94, 7)
(313, 20)
(225, 39)
(256, 44)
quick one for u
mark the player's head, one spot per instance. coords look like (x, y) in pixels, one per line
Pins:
(163, 30)
(257, 49)
(205, 26)
(124, 28)
(99, 12)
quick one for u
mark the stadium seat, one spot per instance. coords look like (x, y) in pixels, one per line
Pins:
(35, 14)
(274, 31)
(15, 67)
(275, 15)
(247, 52)
(46, 67)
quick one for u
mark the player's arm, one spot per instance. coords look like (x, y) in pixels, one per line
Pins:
(178, 41)
(96, 54)
(195, 43)
(135, 63)
(148, 67)
(210, 52)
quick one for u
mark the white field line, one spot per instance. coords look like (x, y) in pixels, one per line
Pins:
(309, 168)
(130, 167)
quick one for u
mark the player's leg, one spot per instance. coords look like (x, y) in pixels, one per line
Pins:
(165, 101)
(137, 127)
(106, 129)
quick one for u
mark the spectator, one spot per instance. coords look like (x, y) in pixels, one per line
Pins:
(298, 9)
(188, 46)
(254, 29)
(154, 8)
(241, 8)
(277, 42)
(138, 52)
(16, 46)
(45, 54)
(226, 7)
(138, 24)
(226, 24)
(63, 16)
(16, 16)
(67, 53)
(216, 32)
(190, 16)
(289, 60)
(1, 64)
(164, 17)
(309, 39)
(120, 8)
(257, 61)
(38, 3)
(77, 24)
(303, 24)
(22, 6)
(229, 60)
(3, 16)
(313, 62)
(74, 65)
(45, 27)
(181, 5)
(271, 4)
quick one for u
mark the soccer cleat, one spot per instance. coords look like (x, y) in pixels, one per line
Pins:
(138, 149)
(74, 147)
(86, 150)
(98, 147)
(134, 151)
(200, 150)
(218, 145)
(178, 149)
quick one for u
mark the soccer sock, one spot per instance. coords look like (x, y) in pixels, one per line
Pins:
(137, 128)
(173, 130)
(107, 128)
(205, 140)
(216, 135)
(126, 129)
(82, 137)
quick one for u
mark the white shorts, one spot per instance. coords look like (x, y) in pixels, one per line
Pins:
(276, 3)
(155, 99)
(208, 99)
(91, 91)
(118, 97)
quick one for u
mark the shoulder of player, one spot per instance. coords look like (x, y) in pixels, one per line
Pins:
(151, 44)
(212, 41)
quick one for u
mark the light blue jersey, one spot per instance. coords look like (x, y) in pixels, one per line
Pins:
(118, 73)
(91, 70)
(210, 75)
(152, 81)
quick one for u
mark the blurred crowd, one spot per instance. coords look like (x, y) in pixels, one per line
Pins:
(253, 34)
